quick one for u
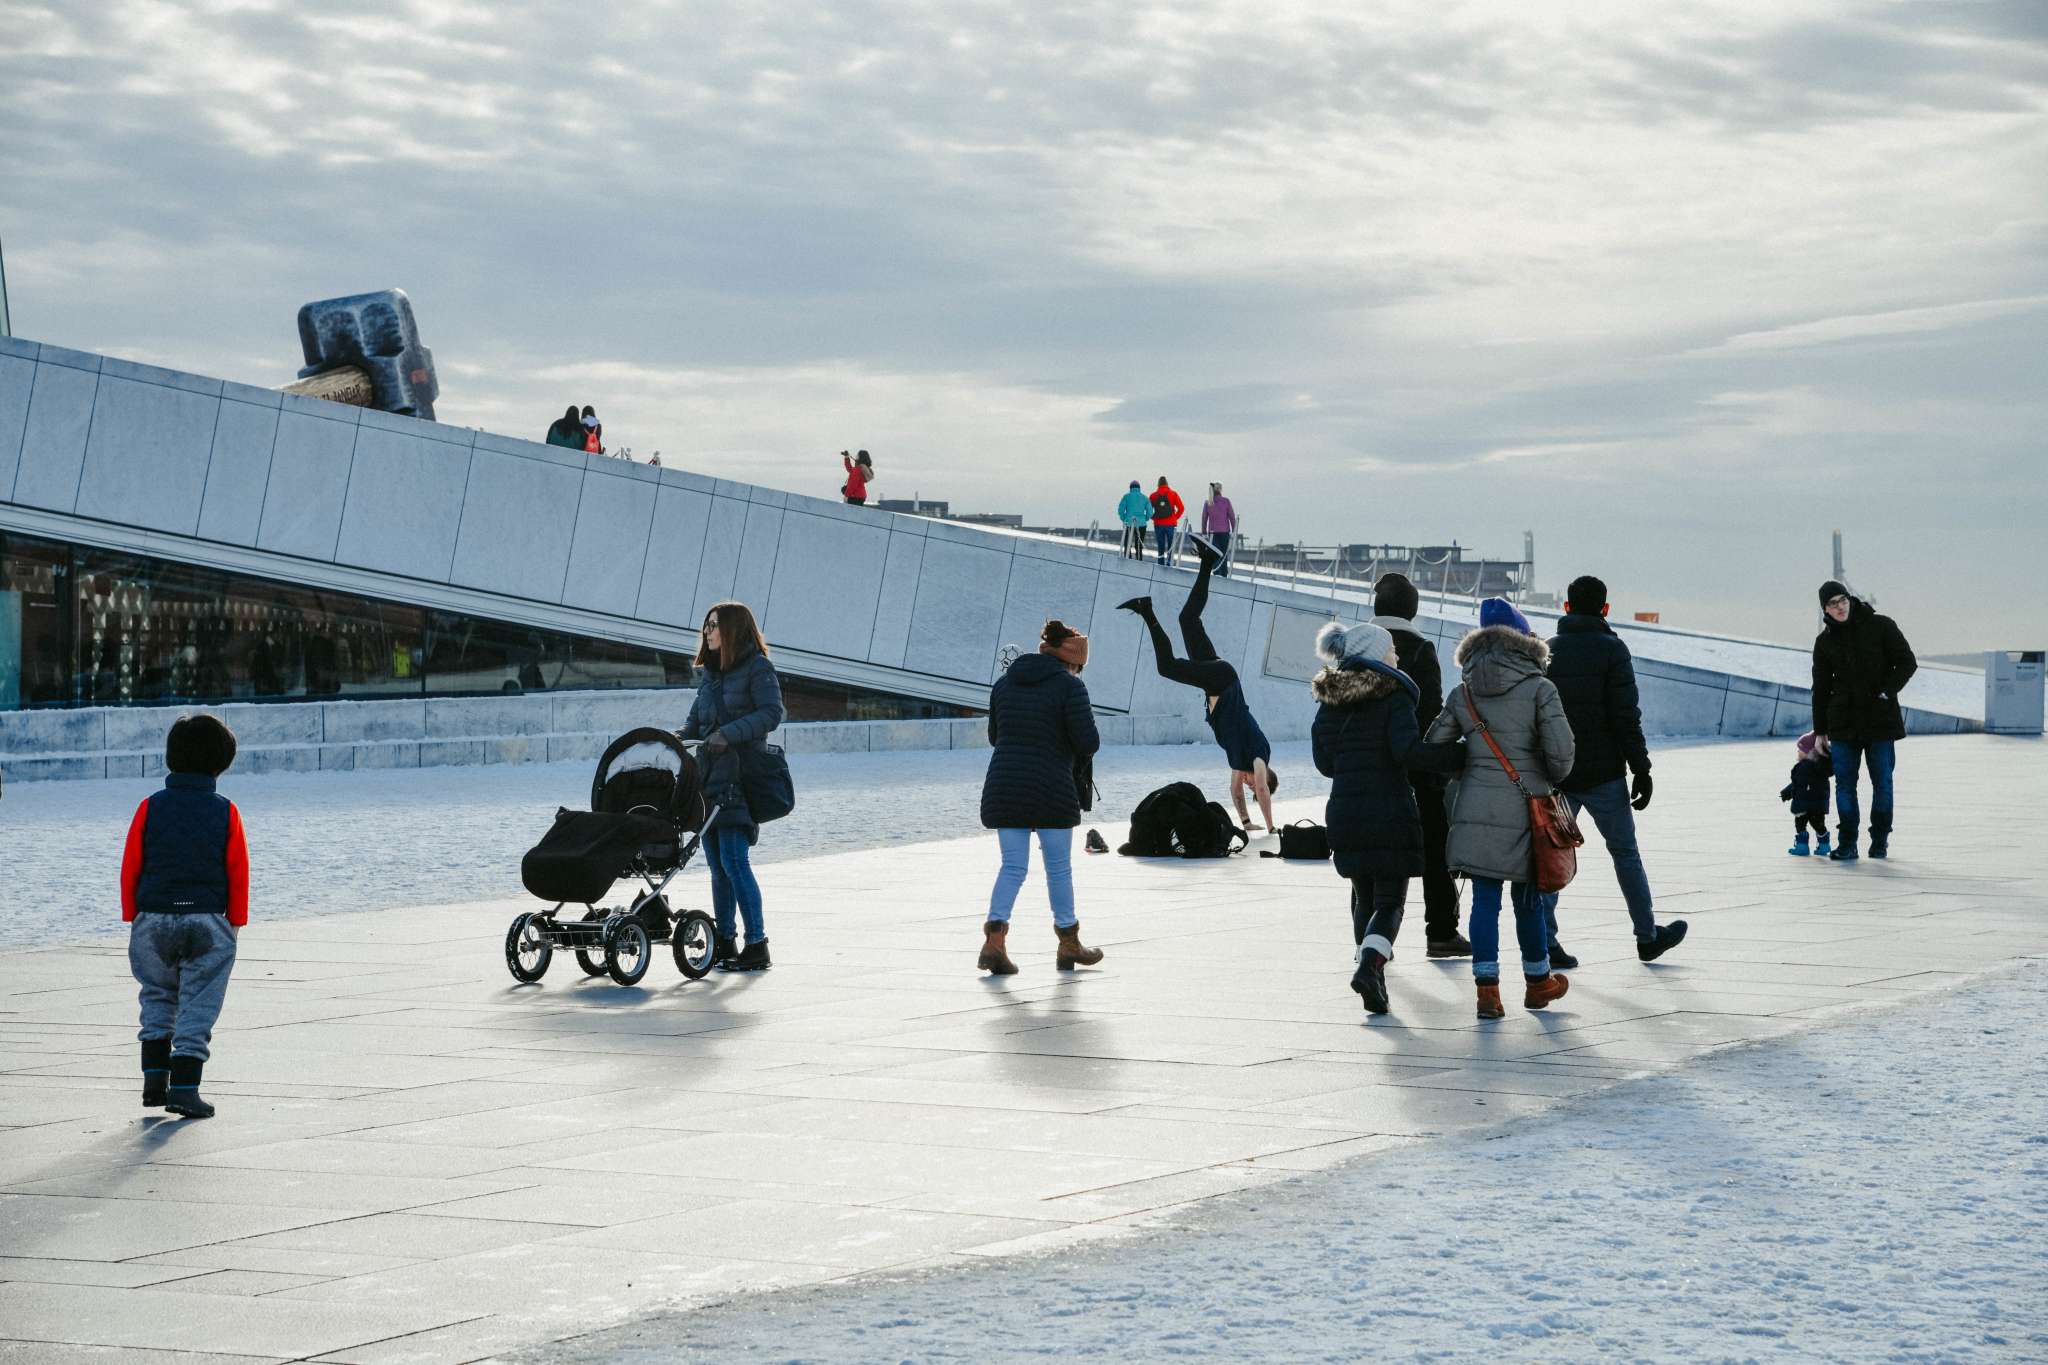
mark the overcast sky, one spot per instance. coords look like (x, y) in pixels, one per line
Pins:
(1681, 289)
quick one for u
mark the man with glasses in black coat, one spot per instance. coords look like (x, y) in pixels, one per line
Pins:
(1861, 662)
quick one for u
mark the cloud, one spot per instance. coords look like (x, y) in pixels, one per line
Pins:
(1901, 322)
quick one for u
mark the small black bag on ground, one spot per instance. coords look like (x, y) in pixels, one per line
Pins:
(1178, 820)
(1304, 839)
(586, 851)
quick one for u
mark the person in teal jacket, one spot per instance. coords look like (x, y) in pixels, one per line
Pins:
(1134, 511)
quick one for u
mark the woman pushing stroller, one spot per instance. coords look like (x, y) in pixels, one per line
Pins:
(1230, 717)
(739, 702)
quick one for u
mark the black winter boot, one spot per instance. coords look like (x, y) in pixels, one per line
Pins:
(1370, 981)
(183, 1093)
(723, 950)
(1880, 835)
(752, 958)
(156, 1071)
(1560, 960)
(1845, 843)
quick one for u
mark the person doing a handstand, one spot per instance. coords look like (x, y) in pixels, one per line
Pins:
(1244, 743)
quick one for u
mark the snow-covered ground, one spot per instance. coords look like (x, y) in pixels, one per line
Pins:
(320, 843)
(323, 843)
(1870, 1191)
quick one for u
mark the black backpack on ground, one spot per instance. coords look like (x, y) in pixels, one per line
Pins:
(1177, 820)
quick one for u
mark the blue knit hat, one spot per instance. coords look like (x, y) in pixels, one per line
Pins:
(1498, 611)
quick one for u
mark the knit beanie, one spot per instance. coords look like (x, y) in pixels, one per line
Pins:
(1498, 611)
(1335, 643)
(1806, 744)
(1394, 595)
(1833, 588)
(1072, 650)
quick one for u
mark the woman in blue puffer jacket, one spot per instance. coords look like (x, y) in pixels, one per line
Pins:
(1039, 722)
(739, 702)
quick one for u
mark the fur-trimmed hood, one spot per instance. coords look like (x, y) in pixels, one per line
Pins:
(1497, 658)
(1358, 682)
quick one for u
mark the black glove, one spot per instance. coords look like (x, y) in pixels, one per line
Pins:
(1640, 790)
(716, 742)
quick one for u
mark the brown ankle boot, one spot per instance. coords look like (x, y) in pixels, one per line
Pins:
(1490, 1006)
(1543, 990)
(995, 953)
(1072, 953)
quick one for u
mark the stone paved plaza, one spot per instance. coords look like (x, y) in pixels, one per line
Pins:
(417, 1160)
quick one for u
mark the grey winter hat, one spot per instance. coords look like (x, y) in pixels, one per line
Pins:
(1335, 643)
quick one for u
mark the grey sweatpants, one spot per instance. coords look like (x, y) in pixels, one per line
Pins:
(183, 963)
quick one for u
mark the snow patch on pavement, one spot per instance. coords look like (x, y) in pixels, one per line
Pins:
(1871, 1190)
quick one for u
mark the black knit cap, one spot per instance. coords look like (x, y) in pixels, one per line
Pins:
(1394, 595)
(1833, 589)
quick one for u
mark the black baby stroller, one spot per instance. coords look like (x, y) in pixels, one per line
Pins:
(645, 798)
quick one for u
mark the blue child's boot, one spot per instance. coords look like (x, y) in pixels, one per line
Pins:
(1820, 846)
(156, 1071)
(1799, 848)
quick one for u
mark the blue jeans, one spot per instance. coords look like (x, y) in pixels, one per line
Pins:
(732, 879)
(1616, 821)
(1221, 540)
(1056, 851)
(1849, 756)
(1162, 536)
(1485, 931)
(183, 963)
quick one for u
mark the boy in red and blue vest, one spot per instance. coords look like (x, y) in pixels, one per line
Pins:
(185, 889)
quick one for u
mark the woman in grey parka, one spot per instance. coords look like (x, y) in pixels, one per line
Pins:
(1490, 841)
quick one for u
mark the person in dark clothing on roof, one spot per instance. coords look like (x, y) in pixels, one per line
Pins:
(1861, 662)
(1039, 723)
(567, 430)
(1230, 717)
(1595, 677)
(1394, 604)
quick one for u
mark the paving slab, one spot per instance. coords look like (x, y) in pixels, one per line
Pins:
(420, 1162)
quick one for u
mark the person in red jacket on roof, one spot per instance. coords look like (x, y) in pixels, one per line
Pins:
(1167, 510)
(185, 891)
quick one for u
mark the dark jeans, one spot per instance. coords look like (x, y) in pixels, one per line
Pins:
(183, 962)
(1221, 540)
(1439, 889)
(1529, 934)
(858, 502)
(1377, 905)
(1849, 758)
(1202, 668)
(1163, 537)
(1134, 542)
(1616, 821)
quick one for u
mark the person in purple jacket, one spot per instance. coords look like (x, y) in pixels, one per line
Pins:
(1219, 524)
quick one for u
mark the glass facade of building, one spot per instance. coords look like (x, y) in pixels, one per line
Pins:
(82, 626)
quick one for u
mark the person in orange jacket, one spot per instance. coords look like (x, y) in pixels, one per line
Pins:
(1167, 510)
(185, 891)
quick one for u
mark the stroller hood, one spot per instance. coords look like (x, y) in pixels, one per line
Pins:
(649, 771)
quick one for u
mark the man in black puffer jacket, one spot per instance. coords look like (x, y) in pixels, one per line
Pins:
(1394, 604)
(1596, 678)
(1860, 663)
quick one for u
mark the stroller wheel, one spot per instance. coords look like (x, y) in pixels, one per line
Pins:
(696, 942)
(592, 960)
(527, 951)
(627, 953)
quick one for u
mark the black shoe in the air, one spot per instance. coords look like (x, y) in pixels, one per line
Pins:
(1669, 936)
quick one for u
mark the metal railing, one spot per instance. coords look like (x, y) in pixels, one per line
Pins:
(1437, 570)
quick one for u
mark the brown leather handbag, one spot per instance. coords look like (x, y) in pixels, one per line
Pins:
(1554, 836)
